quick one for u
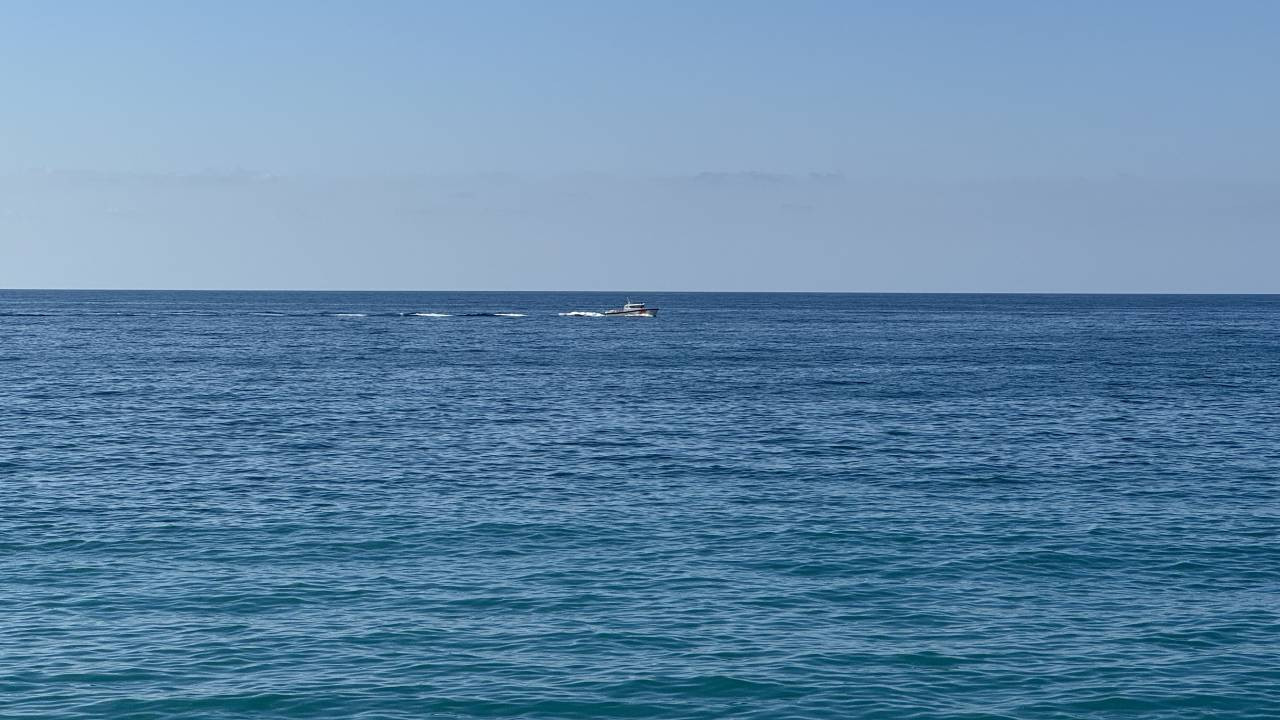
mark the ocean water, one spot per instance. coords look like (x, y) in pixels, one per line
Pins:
(386, 505)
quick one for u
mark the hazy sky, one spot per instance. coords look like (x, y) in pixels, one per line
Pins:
(912, 146)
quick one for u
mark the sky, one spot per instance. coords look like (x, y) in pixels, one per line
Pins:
(604, 145)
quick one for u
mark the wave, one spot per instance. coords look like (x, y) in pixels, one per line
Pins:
(581, 313)
(493, 315)
(428, 314)
(348, 315)
(509, 315)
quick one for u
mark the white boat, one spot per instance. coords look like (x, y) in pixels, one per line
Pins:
(633, 309)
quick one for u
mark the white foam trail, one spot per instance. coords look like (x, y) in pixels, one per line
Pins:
(431, 315)
(509, 314)
(350, 315)
(581, 313)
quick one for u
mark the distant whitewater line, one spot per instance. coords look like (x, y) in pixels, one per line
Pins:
(277, 314)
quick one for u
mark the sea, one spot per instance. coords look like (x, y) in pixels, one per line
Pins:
(395, 505)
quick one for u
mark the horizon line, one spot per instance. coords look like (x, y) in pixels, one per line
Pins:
(654, 292)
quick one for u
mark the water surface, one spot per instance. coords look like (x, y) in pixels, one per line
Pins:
(403, 505)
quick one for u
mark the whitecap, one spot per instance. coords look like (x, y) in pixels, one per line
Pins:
(509, 315)
(430, 315)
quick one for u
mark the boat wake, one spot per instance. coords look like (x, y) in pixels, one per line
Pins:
(581, 313)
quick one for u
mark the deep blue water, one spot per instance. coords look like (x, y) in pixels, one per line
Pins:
(278, 505)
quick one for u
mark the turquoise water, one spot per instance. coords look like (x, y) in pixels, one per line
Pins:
(278, 505)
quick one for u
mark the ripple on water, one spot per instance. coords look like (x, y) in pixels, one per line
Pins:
(830, 507)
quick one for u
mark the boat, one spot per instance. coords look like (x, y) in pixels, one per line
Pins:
(633, 309)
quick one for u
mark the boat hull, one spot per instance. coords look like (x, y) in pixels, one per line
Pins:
(646, 312)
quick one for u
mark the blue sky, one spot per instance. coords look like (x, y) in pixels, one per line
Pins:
(914, 146)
